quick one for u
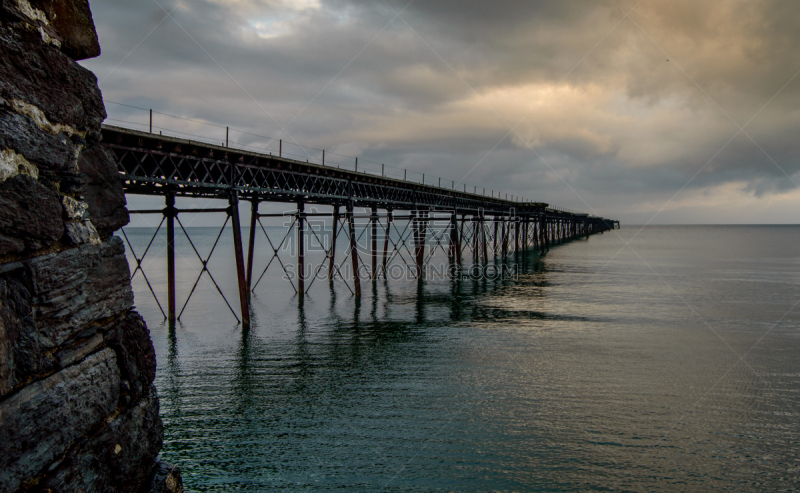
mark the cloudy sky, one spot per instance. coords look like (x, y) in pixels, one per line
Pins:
(658, 111)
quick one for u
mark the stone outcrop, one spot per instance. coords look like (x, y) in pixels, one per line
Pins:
(106, 202)
(28, 228)
(78, 409)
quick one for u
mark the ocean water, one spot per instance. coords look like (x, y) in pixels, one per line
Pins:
(655, 359)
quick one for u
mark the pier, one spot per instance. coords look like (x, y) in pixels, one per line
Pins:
(387, 221)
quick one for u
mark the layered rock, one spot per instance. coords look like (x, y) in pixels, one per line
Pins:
(78, 410)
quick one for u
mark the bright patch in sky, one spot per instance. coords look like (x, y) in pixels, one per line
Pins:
(276, 19)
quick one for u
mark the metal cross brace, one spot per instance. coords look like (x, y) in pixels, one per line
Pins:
(328, 258)
(205, 268)
(139, 263)
(275, 253)
(404, 235)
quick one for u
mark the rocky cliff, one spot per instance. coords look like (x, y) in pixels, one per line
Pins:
(78, 410)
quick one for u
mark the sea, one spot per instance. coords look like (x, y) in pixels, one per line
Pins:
(658, 358)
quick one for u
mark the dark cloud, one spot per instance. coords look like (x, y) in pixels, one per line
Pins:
(562, 101)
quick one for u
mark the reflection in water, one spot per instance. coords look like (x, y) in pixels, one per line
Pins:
(244, 381)
(173, 390)
(584, 372)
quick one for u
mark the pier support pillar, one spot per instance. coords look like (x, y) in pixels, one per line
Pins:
(548, 232)
(353, 249)
(494, 239)
(451, 249)
(461, 237)
(504, 243)
(454, 239)
(420, 232)
(415, 232)
(169, 213)
(475, 244)
(386, 239)
(251, 244)
(558, 232)
(483, 237)
(332, 253)
(301, 248)
(543, 236)
(374, 237)
(525, 238)
(233, 211)
(555, 231)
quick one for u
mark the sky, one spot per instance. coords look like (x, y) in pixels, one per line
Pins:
(649, 112)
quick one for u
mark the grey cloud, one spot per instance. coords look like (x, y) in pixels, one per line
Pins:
(438, 87)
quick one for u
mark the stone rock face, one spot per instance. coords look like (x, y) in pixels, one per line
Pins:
(135, 353)
(20, 355)
(56, 153)
(166, 479)
(77, 286)
(115, 459)
(103, 192)
(30, 215)
(72, 24)
(78, 411)
(47, 302)
(38, 423)
(32, 69)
